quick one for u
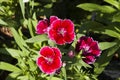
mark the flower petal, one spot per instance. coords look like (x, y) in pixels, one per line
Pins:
(42, 26)
(47, 51)
(44, 67)
(57, 52)
(53, 18)
(69, 37)
(89, 59)
(68, 25)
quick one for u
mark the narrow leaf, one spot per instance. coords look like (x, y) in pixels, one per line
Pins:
(64, 73)
(22, 6)
(54, 78)
(2, 22)
(38, 38)
(95, 7)
(19, 40)
(30, 27)
(112, 33)
(106, 45)
(116, 17)
(113, 2)
(9, 67)
(14, 53)
(89, 6)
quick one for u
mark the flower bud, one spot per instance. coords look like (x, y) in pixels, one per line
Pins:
(71, 54)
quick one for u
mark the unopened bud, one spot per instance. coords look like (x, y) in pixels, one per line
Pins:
(71, 54)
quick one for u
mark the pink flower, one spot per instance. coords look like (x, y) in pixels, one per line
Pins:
(49, 60)
(89, 59)
(43, 25)
(62, 31)
(89, 48)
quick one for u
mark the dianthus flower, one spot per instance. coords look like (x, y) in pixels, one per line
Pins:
(43, 25)
(50, 60)
(90, 49)
(62, 31)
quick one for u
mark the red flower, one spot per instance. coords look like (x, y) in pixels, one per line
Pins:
(62, 31)
(89, 48)
(43, 25)
(49, 60)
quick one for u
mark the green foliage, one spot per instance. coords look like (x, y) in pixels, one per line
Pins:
(102, 23)
(105, 58)
(2, 22)
(9, 67)
(95, 7)
(22, 5)
(39, 38)
(115, 3)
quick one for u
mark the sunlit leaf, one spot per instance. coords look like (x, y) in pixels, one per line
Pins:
(54, 78)
(106, 45)
(19, 40)
(116, 17)
(64, 73)
(9, 67)
(22, 6)
(38, 38)
(3, 22)
(113, 2)
(95, 7)
(48, 6)
(112, 33)
(13, 75)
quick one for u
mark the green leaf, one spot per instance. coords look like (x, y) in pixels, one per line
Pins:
(89, 6)
(48, 6)
(34, 20)
(39, 38)
(30, 27)
(32, 65)
(81, 62)
(2, 22)
(19, 40)
(9, 67)
(115, 3)
(4, 1)
(107, 9)
(25, 77)
(14, 53)
(95, 7)
(13, 75)
(22, 6)
(116, 17)
(64, 73)
(117, 29)
(106, 45)
(2, 10)
(112, 33)
(92, 26)
(104, 59)
(54, 78)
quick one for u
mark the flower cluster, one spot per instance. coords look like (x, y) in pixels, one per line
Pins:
(90, 49)
(62, 31)
(59, 30)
